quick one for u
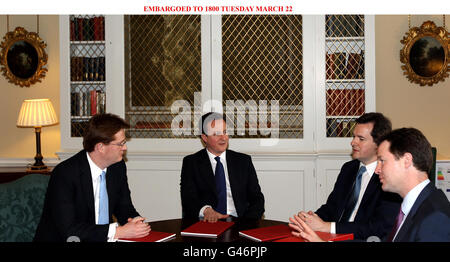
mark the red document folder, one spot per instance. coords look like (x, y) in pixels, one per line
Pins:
(324, 236)
(207, 229)
(267, 233)
(154, 236)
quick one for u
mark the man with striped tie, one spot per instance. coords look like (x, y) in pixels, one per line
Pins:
(86, 190)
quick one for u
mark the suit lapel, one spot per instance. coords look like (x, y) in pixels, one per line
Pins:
(409, 221)
(86, 183)
(370, 189)
(206, 170)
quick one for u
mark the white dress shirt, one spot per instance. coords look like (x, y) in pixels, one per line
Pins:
(231, 209)
(409, 201)
(95, 173)
(365, 179)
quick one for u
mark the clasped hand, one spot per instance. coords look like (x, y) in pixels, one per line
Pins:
(134, 228)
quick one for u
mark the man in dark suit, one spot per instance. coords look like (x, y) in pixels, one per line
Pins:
(357, 203)
(85, 190)
(217, 182)
(405, 159)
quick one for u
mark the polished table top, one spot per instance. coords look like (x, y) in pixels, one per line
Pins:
(230, 235)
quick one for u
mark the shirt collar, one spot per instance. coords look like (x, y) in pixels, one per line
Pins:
(370, 168)
(412, 195)
(212, 156)
(95, 170)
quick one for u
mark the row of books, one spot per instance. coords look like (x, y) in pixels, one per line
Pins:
(340, 127)
(344, 25)
(341, 66)
(277, 233)
(87, 103)
(345, 102)
(87, 29)
(87, 68)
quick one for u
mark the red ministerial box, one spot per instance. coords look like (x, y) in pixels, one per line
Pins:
(324, 236)
(153, 236)
(207, 229)
(267, 233)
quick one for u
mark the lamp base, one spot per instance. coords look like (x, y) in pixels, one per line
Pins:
(41, 167)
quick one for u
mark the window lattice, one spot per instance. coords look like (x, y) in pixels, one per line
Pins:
(262, 61)
(345, 76)
(162, 64)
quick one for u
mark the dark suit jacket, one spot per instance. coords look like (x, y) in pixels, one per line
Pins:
(198, 187)
(376, 213)
(69, 202)
(429, 218)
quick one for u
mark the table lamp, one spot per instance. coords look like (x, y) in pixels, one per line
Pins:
(37, 113)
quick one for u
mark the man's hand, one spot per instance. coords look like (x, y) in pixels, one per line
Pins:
(301, 229)
(314, 221)
(134, 228)
(212, 216)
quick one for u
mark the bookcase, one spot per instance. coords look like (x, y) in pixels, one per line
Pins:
(345, 76)
(87, 70)
(338, 82)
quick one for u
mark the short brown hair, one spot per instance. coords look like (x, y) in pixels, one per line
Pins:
(381, 124)
(101, 129)
(410, 140)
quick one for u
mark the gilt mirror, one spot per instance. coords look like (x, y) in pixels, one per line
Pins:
(23, 57)
(425, 54)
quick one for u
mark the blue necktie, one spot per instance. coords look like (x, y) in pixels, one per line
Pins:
(355, 194)
(103, 213)
(220, 187)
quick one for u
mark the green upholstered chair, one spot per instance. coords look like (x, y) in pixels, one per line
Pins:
(21, 203)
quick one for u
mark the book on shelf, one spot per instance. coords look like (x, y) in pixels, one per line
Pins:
(345, 102)
(323, 235)
(87, 103)
(87, 28)
(153, 236)
(353, 64)
(264, 234)
(207, 229)
(87, 68)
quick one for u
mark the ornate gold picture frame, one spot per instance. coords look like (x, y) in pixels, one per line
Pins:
(425, 55)
(23, 57)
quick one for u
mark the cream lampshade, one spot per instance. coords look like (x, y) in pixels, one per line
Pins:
(37, 113)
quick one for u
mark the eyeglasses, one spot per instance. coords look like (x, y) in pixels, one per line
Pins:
(119, 144)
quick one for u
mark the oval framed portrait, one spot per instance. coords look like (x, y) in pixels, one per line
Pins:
(23, 57)
(425, 55)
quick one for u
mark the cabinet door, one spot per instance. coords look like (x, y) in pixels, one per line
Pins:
(345, 77)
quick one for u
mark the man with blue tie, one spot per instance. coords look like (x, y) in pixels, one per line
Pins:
(357, 204)
(404, 161)
(216, 182)
(86, 190)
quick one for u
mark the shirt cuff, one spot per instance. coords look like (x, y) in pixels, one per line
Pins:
(112, 232)
(201, 213)
(333, 228)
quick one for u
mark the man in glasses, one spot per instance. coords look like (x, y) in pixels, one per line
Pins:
(85, 190)
(216, 182)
